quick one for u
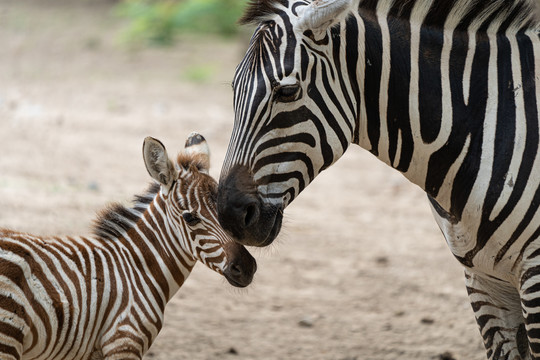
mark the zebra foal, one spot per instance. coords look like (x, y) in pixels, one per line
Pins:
(103, 296)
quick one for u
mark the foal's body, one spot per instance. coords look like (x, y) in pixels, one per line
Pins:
(103, 296)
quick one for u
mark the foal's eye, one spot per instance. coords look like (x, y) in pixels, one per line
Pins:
(190, 218)
(287, 93)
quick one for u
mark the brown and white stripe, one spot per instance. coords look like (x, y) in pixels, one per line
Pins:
(103, 296)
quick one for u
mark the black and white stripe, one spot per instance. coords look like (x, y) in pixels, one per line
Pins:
(446, 92)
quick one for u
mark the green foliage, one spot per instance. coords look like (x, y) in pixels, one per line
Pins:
(150, 21)
(159, 21)
(201, 73)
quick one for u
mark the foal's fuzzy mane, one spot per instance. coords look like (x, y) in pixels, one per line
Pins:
(520, 14)
(116, 218)
(192, 161)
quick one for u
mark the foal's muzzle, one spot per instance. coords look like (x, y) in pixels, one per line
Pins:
(240, 267)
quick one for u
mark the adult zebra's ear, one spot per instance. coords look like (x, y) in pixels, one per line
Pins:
(320, 15)
(158, 164)
(197, 147)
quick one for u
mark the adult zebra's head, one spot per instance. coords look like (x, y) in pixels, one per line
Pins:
(290, 122)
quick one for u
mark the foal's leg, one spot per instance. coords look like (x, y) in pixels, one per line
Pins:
(497, 309)
(122, 354)
(10, 348)
(12, 330)
(121, 342)
(8, 351)
(122, 348)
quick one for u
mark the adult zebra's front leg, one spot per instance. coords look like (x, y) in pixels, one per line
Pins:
(497, 309)
(530, 299)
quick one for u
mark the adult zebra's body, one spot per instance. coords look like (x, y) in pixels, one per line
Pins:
(103, 296)
(447, 92)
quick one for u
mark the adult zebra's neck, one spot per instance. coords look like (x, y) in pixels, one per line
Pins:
(433, 101)
(403, 118)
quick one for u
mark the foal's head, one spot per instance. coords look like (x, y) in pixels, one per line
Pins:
(190, 197)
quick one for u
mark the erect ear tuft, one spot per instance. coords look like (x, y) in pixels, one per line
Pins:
(194, 139)
(158, 164)
(320, 15)
(197, 147)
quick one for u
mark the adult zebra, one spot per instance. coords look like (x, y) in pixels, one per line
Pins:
(446, 92)
(103, 296)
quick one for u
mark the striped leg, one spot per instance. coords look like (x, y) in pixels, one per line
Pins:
(497, 309)
(530, 300)
(8, 351)
(123, 341)
(12, 326)
(126, 352)
(123, 347)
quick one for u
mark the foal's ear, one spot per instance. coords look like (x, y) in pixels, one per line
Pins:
(320, 15)
(197, 147)
(158, 164)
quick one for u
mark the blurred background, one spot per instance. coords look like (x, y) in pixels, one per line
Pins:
(360, 270)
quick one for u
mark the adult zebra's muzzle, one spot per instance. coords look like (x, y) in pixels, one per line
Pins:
(243, 212)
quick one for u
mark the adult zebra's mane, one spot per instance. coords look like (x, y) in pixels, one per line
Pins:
(116, 218)
(515, 14)
(257, 10)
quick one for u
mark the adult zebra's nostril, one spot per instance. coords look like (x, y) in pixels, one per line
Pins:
(251, 214)
(243, 211)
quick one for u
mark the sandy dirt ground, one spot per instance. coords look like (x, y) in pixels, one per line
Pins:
(360, 270)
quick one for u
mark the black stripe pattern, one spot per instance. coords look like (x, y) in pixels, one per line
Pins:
(446, 92)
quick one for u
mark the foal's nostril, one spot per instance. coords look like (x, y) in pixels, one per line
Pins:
(241, 266)
(235, 270)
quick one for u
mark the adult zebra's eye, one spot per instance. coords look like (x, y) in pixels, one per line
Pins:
(190, 218)
(287, 93)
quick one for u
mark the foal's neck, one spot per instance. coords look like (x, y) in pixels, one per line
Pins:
(156, 246)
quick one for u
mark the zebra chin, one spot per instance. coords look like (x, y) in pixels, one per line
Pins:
(242, 211)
